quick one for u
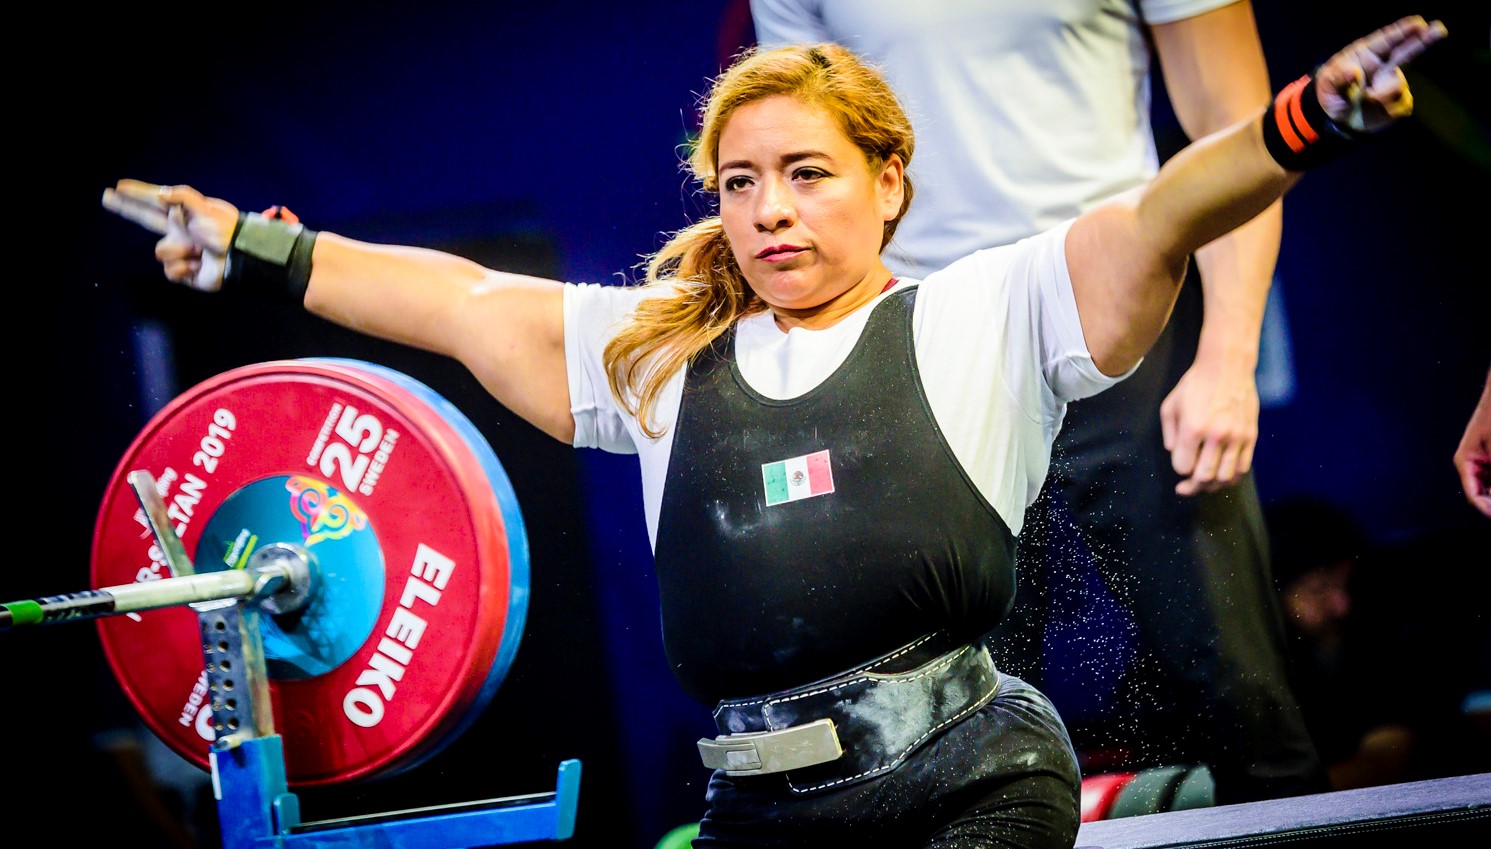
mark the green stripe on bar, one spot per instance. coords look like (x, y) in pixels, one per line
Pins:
(23, 612)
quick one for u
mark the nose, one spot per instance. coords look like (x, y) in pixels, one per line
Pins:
(774, 208)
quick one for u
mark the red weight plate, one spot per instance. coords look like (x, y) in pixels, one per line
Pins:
(507, 500)
(410, 541)
(486, 482)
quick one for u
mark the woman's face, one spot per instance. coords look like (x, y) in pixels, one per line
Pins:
(803, 213)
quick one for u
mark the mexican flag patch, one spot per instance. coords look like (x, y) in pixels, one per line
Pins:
(797, 478)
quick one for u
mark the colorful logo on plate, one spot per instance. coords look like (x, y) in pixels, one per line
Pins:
(349, 568)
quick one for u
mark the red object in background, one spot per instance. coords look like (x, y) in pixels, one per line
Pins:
(737, 31)
(281, 213)
(1098, 793)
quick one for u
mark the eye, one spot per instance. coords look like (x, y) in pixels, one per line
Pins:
(737, 183)
(809, 174)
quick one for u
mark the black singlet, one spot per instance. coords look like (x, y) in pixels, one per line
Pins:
(758, 596)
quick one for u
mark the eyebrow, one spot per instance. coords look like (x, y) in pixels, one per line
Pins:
(786, 160)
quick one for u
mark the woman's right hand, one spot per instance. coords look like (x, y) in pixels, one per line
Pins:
(195, 230)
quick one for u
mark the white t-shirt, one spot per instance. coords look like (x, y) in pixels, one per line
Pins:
(1026, 112)
(998, 343)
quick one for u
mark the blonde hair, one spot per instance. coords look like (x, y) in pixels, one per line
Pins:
(702, 291)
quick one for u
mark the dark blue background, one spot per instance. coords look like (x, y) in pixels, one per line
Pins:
(547, 138)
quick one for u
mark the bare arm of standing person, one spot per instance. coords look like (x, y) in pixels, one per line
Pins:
(1216, 76)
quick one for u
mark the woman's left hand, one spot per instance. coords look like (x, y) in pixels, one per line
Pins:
(1362, 87)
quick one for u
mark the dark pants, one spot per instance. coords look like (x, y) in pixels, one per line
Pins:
(1006, 776)
(1206, 678)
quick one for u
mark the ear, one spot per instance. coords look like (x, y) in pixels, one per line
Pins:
(891, 186)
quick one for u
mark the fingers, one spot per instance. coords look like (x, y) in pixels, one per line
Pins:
(1400, 42)
(1363, 85)
(149, 206)
(1388, 85)
(1213, 471)
(180, 257)
(195, 230)
(1207, 465)
(1475, 480)
(138, 190)
(147, 203)
(1245, 459)
(1170, 426)
(1384, 52)
(1390, 90)
(161, 196)
(1397, 43)
(144, 213)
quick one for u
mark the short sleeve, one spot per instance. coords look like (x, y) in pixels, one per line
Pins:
(1170, 11)
(592, 315)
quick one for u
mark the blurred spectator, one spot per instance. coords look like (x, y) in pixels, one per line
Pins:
(1364, 620)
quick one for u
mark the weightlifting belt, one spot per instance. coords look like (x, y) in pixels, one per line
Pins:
(855, 725)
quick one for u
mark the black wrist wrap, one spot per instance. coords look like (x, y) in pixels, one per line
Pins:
(1298, 133)
(270, 256)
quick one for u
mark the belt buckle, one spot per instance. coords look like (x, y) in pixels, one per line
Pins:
(762, 752)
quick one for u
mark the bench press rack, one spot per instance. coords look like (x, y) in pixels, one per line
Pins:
(256, 809)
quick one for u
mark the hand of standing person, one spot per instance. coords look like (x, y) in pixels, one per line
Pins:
(1473, 456)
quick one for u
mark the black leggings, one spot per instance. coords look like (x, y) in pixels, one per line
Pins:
(1006, 776)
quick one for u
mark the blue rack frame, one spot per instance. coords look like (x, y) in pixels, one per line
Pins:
(257, 811)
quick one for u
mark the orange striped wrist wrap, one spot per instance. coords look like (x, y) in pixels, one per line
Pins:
(1298, 133)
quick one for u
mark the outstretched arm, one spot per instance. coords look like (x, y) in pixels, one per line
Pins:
(507, 329)
(1128, 256)
(1473, 456)
(1216, 76)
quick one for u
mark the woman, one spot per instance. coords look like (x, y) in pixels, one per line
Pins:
(834, 462)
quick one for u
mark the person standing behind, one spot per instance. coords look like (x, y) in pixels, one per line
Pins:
(1028, 112)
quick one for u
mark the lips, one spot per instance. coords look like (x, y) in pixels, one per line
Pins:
(777, 253)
